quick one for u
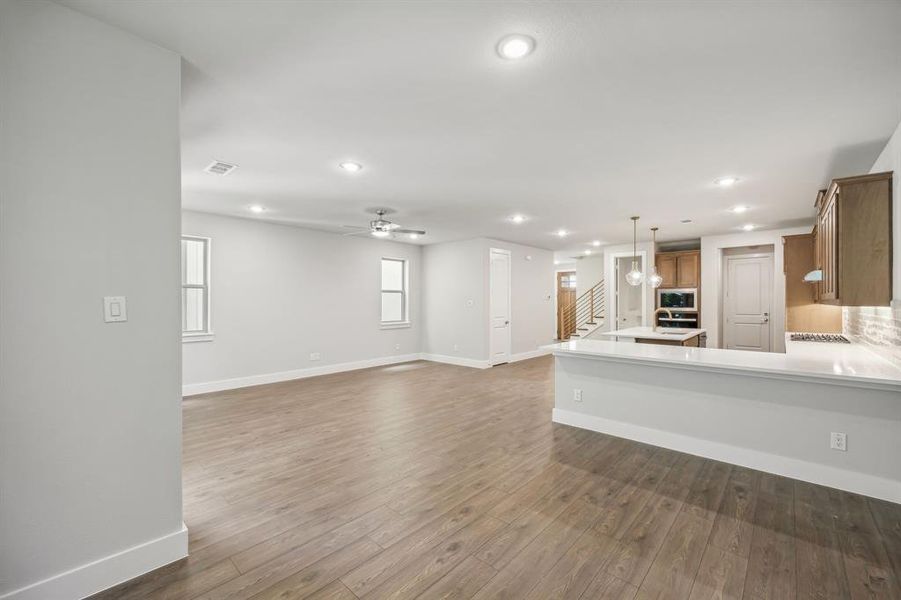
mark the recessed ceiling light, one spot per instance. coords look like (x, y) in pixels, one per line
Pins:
(562, 233)
(726, 181)
(596, 243)
(515, 46)
(740, 209)
(350, 167)
(556, 262)
(518, 219)
(587, 252)
(686, 221)
(748, 227)
(256, 208)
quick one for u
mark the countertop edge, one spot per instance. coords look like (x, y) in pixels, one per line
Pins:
(843, 380)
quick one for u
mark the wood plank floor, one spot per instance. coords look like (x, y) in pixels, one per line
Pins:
(434, 481)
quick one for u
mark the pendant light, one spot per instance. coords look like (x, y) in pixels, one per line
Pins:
(635, 276)
(654, 278)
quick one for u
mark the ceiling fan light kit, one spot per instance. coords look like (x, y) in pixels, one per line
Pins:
(381, 227)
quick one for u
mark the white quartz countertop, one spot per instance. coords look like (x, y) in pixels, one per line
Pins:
(843, 364)
(674, 334)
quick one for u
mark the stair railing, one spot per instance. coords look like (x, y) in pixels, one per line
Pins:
(584, 312)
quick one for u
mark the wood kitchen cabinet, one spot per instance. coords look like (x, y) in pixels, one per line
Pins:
(666, 268)
(853, 244)
(679, 269)
(688, 270)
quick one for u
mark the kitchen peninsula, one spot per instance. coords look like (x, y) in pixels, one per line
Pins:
(767, 411)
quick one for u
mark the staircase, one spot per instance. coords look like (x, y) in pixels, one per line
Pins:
(585, 315)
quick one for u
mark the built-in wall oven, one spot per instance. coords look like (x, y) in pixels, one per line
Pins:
(678, 298)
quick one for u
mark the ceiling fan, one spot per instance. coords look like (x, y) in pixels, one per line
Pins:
(381, 227)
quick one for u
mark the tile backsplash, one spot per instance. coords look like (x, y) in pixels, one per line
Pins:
(877, 326)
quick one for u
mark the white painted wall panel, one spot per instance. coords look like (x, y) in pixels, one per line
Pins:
(90, 413)
(280, 293)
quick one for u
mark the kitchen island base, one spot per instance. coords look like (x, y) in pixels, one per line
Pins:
(776, 423)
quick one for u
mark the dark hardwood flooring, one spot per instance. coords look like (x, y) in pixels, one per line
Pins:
(433, 481)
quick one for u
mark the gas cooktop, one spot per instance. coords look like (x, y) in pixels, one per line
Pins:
(819, 337)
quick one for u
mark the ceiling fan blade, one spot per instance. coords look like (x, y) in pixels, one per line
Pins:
(416, 231)
(355, 227)
(361, 232)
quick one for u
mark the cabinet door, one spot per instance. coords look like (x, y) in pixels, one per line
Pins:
(688, 270)
(666, 268)
(827, 237)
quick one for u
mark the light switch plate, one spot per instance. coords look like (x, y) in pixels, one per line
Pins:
(114, 309)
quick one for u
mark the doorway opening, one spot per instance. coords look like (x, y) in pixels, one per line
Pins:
(747, 298)
(629, 301)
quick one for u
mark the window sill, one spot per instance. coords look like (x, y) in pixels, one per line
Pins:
(188, 338)
(398, 325)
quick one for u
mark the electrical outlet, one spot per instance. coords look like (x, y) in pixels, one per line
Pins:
(314, 356)
(456, 347)
(397, 346)
(577, 395)
(838, 441)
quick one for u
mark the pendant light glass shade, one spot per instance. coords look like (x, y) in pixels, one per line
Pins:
(635, 276)
(654, 278)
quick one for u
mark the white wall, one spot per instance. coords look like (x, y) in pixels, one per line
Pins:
(589, 271)
(455, 299)
(90, 435)
(454, 302)
(280, 293)
(712, 247)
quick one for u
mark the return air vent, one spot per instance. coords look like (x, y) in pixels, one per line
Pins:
(217, 167)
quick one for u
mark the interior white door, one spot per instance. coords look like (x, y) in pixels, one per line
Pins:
(499, 297)
(746, 303)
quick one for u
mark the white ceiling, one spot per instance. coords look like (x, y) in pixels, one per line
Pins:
(624, 108)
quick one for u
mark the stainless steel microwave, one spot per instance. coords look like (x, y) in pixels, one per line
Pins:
(681, 298)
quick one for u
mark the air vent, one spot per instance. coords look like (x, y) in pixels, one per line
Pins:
(217, 167)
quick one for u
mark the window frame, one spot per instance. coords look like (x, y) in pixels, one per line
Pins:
(207, 334)
(404, 293)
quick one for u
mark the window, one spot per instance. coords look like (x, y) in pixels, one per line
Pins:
(394, 292)
(568, 280)
(195, 288)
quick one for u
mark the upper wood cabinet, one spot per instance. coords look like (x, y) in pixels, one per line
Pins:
(666, 268)
(854, 241)
(688, 270)
(679, 269)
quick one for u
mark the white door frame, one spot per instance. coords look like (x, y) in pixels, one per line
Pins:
(509, 304)
(610, 270)
(724, 286)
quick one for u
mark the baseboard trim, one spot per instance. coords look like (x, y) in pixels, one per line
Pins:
(107, 572)
(457, 360)
(192, 389)
(530, 354)
(850, 481)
